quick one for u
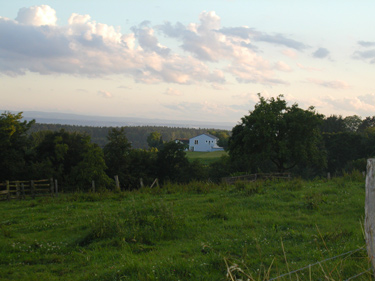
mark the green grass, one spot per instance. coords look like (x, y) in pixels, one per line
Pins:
(196, 231)
(205, 157)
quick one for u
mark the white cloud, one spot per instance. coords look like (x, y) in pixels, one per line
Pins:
(308, 68)
(37, 15)
(361, 105)
(205, 108)
(290, 53)
(333, 84)
(208, 42)
(34, 43)
(321, 53)
(282, 66)
(218, 87)
(172, 92)
(105, 94)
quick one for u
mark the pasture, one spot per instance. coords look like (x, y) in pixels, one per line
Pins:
(196, 231)
(205, 157)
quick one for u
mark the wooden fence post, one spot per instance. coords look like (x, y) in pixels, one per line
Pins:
(141, 182)
(56, 188)
(23, 190)
(8, 190)
(17, 189)
(328, 176)
(32, 187)
(93, 186)
(117, 184)
(370, 211)
(52, 187)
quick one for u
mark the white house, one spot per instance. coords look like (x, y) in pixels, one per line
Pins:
(204, 142)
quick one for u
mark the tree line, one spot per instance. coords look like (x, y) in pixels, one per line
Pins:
(137, 135)
(75, 160)
(274, 137)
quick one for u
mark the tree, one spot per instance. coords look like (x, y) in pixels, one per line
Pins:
(58, 153)
(116, 154)
(91, 168)
(154, 140)
(368, 122)
(352, 123)
(334, 124)
(274, 132)
(14, 144)
(172, 163)
(342, 148)
(223, 137)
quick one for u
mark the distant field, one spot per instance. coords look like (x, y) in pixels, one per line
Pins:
(205, 157)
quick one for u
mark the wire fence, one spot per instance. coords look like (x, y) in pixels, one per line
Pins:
(323, 261)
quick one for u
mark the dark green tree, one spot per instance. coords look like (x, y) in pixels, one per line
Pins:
(14, 146)
(58, 153)
(368, 122)
(342, 148)
(143, 166)
(116, 154)
(352, 123)
(172, 163)
(155, 140)
(334, 124)
(91, 168)
(274, 132)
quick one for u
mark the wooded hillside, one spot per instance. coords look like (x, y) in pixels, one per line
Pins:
(137, 136)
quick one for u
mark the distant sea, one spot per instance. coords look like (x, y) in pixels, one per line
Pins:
(105, 121)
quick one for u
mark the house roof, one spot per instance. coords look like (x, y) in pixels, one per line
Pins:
(209, 135)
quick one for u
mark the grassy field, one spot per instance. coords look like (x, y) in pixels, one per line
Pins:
(200, 231)
(205, 157)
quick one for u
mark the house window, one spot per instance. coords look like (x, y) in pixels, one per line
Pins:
(196, 142)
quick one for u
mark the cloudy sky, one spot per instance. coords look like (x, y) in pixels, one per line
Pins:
(186, 60)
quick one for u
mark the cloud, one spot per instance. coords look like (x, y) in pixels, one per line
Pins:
(124, 87)
(86, 47)
(361, 105)
(321, 53)
(275, 39)
(308, 68)
(37, 15)
(280, 39)
(368, 55)
(366, 43)
(105, 94)
(148, 41)
(207, 41)
(282, 66)
(204, 108)
(290, 53)
(172, 92)
(336, 84)
(218, 87)
(368, 99)
(33, 42)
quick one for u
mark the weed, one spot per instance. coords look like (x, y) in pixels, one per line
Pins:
(5, 230)
(217, 212)
(313, 201)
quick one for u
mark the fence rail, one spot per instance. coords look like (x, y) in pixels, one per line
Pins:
(20, 189)
(254, 177)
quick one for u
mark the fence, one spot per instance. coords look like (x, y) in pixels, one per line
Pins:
(21, 189)
(254, 177)
(370, 210)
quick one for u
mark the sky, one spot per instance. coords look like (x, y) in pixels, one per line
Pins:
(186, 60)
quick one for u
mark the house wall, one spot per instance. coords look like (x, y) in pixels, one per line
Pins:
(202, 143)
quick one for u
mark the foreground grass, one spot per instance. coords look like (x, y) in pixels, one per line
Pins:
(205, 158)
(189, 232)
